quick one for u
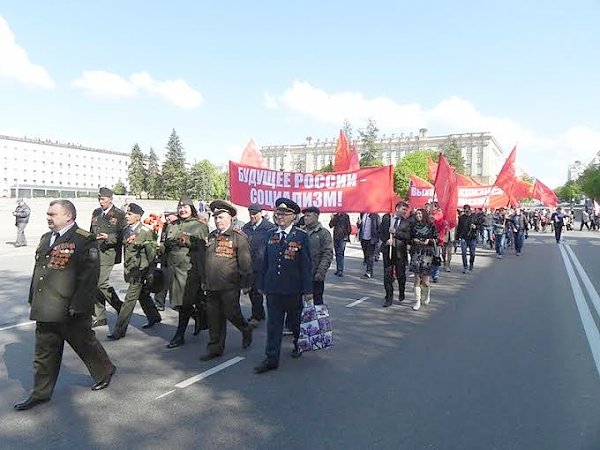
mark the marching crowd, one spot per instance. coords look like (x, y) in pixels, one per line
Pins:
(204, 272)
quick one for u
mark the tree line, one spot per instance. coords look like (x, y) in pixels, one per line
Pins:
(587, 185)
(174, 179)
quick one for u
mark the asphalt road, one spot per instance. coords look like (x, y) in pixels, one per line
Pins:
(505, 357)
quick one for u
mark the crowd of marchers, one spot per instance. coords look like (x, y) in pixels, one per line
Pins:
(203, 273)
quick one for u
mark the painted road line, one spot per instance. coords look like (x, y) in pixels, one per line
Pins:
(589, 326)
(591, 290)
(165, 394)
(209, 372)
(17, 325)
(203, 375)
(360, 300)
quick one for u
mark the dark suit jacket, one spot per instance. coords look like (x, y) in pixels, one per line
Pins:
(65, 276)
(258, 242)
(375, 226)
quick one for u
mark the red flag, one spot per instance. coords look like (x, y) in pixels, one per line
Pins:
(520, 189)
(507, 176)
(544, 194)
(354, 159)
(252, 156)
(342, 154)
(432, 168)
(446, 188)
(465, 181)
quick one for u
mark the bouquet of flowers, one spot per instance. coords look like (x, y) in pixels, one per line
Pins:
(154, 222)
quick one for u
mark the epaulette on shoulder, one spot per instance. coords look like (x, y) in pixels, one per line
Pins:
(300, 230)
(239, 231)
(82, 232)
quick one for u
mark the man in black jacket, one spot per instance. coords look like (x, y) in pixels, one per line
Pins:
(466, 231)
(340, 222)
(368, 226)
(394, 233)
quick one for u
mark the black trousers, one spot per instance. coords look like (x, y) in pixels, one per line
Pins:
(50, 340)
(222, 306)
(557, 232)
(394, 268)
(257, 300)
(318, 289)
(368, 248)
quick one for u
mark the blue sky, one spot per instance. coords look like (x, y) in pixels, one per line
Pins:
(110, 74)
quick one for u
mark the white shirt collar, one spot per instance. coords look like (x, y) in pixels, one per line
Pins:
(65, 229)
(287, 230)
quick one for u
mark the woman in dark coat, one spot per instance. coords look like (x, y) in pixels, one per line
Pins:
(185, 247)
(422, 249)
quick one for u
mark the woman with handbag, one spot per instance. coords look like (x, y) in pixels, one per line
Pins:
(423, 238)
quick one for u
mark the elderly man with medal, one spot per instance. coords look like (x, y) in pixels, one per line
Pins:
(286, 280)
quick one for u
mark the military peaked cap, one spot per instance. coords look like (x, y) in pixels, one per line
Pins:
(219, 206)
(285, 204)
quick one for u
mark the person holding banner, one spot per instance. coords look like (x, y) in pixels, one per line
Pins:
(286, 280)
(395, 234)
(466, 231)
(423, 239)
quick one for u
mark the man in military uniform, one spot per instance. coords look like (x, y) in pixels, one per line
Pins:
(286, 279)
(21, 213)
(228, 269)
(257, 231)
(140, 250)
(108, 222)
(67, 264)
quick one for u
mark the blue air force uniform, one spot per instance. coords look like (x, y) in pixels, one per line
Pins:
(287, 275)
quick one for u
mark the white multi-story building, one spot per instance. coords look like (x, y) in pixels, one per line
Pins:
(39, 168)
(575, 170)
(481, 152)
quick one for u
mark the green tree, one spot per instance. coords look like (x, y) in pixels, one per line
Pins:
(416, 163)
(137, 172)
(173, 170)
(453, 153)
(154, 184)
(347, 129)
(222, 185)
(326, 168)
(203, 178)
(590, 182)
(370, 147)
(119, 188)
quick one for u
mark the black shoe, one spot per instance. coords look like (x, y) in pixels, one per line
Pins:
(30, 403)
(209, 356)
(151, 323)
(368, 275)
(113, 337)
(400, 299)
(247, 337)
(296, 353)
(105, 382)
(99, 323)
(160, 307)
(265, 367)
(176, 343)
(387, 302)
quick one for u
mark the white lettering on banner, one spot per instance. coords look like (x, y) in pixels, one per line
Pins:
(324, 181)
(421, 192)
(262, 177)
(326, 199)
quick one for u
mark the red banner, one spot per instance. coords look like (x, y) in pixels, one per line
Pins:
(365, 190)
(421, 192)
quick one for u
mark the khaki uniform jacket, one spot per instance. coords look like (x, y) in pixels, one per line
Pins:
(112, 224)
(185, 247)
(65, 276)
(139, 255)
(228, 260)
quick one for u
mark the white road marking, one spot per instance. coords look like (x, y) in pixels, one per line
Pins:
(17, 325)
(165, 394)
(586, 280)
(589, 325)
(360, 300)
(203, 375)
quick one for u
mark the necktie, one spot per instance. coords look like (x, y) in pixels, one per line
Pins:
(282, 236)
(396, 222)
(54, 237)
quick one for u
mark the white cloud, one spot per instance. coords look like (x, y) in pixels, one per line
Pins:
(541, 156)
(102, 84)
(15, 63)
